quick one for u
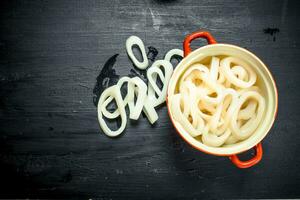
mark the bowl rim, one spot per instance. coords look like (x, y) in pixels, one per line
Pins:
(273, 84)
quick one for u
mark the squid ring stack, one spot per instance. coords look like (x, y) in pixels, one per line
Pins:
(218, 103)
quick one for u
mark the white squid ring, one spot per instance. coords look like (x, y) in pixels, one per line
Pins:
(230, 76)
(247, 129)
(135, 86)
(179, 116)
(173, 52)
(113, 91)
(152, 77)
(130, 42)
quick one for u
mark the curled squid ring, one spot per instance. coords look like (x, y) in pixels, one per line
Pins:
(244, 131)
(172, 53)
(130, 42)
(114, 92)
(232, 78)
(140, 90)
(193, 74)
(240, 72)
(179, 116)
(153, 89)
(116, 113)
(200, 76)
(228, 106)
(135, 86)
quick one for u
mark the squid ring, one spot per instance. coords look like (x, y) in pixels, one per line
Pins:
(113, 91)
(135, 86)
(227, 71)
(172, 53)
(247, 129)
(130, 42)
(152, 73)
(178, 115)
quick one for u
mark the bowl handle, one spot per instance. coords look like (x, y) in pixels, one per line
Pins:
(200, 34)
(252, 161)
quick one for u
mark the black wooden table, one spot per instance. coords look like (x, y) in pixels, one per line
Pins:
(51, 55)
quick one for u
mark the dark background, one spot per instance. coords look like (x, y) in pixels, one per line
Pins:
(51, 146)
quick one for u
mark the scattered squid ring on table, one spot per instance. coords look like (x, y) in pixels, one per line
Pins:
(114, 92)
(220, 103)
(173, 53)
(153, 71)
(147, 97)
(130, 42)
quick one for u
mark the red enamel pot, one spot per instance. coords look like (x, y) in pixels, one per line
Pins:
(264, 80)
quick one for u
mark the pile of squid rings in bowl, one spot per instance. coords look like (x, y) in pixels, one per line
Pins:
(140, 97)
(218, 100)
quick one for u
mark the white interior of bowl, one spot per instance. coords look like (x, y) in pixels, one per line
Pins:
(264, 81)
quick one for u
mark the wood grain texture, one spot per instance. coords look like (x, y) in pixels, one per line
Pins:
(51, 146)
